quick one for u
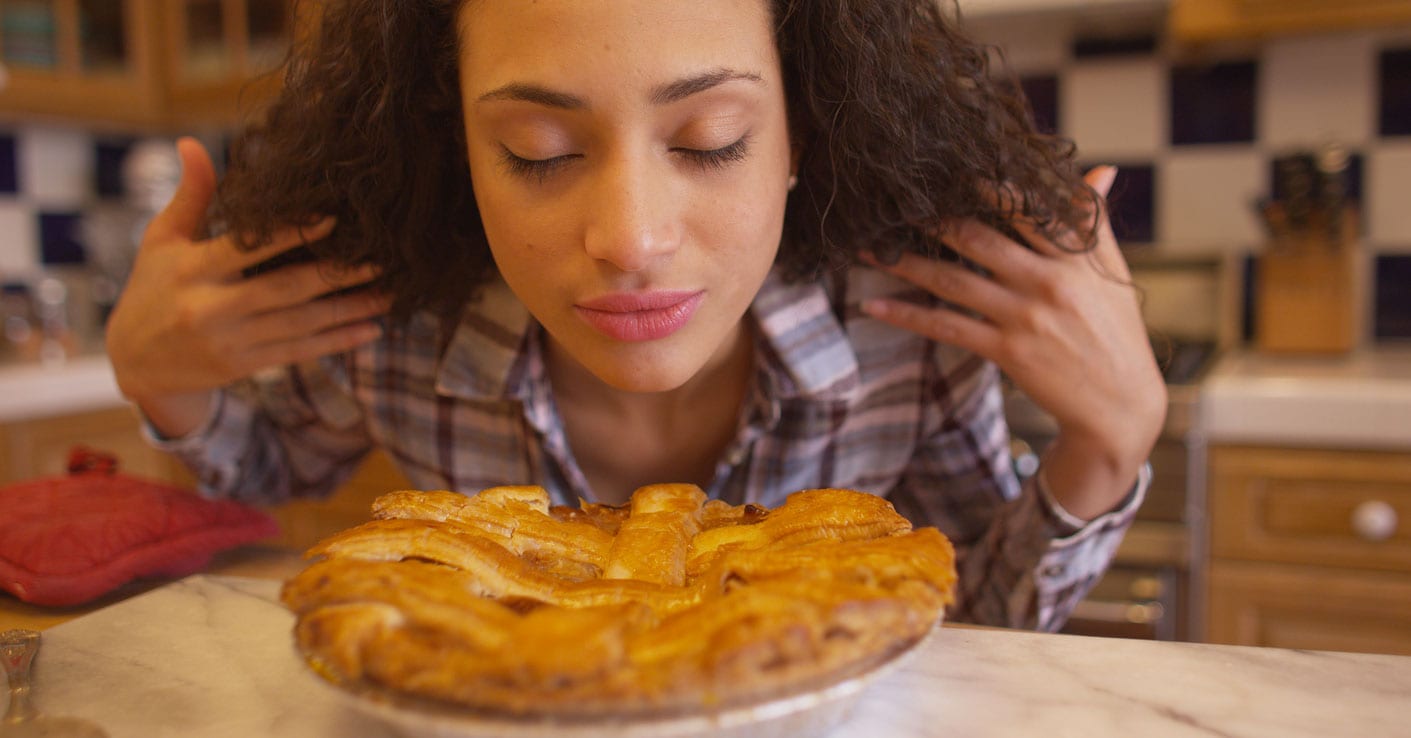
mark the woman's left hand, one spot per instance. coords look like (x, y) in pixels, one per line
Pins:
(1065, 325)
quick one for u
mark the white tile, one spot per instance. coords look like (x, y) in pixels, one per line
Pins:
(19, 239)
(1115, 107)
(1314, 89)
(1205, 196)
(56, 166)
(1387, 191)
(1029, 44)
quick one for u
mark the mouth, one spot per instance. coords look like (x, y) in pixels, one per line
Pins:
(640, 316)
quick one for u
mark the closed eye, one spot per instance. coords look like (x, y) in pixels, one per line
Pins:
(541, 169)
(720, 158)
(538, 169)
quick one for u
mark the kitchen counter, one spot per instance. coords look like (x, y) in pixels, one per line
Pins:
(210, 656)
(31, 390)
(1361, 401)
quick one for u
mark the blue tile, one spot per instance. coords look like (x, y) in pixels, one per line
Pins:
(1249, 279)
(1392, 304)
(1042, 92)
(1394, 92)
(60, 238)
(108, 157)
(1131, 204)
(1100, 47)
(1213, 103)
(9, 166)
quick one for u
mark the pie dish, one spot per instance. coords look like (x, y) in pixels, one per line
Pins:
(500, 607)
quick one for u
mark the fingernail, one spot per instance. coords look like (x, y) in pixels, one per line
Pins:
(1105, 178)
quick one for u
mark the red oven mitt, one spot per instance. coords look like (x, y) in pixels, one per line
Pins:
(67, 540)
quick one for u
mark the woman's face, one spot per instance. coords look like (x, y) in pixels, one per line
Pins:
(630, 160)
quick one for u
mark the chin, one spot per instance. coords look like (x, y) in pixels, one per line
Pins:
(644, 377)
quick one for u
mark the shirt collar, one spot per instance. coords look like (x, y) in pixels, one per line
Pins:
(806, 354)
(487, 352)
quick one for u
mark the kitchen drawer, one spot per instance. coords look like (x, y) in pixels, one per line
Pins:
(1309, 608)
(1307, 506)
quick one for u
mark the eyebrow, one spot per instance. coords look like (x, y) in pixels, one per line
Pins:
(661, 95)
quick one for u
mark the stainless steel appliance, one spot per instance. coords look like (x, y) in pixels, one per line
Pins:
(1155, 586)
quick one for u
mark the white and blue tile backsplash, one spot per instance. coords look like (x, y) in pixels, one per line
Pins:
(1194, 140)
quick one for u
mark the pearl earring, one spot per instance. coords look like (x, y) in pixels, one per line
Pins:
(793, 181)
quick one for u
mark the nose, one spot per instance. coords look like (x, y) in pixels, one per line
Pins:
(633, 216)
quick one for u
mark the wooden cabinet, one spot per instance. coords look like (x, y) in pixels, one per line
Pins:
(146, 64)
(40, 447)
(1310, 549)
(1201, 21)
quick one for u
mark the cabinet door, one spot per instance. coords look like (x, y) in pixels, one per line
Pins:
(223, 55)
(83, 59)
(1320, 609)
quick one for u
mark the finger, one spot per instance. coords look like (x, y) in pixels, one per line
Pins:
(1009, 263)
(282, 240)
(333, 341)
(1008, 201)
(939, 324)
(184, 217)
(293, 285)
(316, 317)
(953, 283)
(1101, 179)
(1106, 248)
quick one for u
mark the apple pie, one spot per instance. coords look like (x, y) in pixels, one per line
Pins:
(504, 603)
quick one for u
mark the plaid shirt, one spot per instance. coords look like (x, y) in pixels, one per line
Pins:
(840, 400)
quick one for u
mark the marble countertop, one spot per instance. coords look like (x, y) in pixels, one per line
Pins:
(211, 657)
(1361, 400)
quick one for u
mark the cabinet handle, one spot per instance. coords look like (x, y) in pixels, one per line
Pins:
(1374, 520)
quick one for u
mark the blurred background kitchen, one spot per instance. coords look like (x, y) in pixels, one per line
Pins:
(1264, 196)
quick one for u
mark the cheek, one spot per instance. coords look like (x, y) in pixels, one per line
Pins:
(748, 225)
(512, 236)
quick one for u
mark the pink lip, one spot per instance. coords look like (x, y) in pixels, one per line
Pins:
(640, 316)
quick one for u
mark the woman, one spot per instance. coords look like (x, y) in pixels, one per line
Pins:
(632, 241)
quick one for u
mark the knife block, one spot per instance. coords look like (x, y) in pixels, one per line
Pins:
(1309, 293)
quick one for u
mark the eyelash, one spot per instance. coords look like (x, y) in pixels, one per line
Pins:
(542, 169)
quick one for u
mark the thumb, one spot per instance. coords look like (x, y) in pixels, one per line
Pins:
(185, 216)
(1101, 179)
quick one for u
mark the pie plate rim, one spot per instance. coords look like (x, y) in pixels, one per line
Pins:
(794, 713)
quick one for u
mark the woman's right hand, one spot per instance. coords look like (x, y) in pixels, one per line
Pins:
(189, 321)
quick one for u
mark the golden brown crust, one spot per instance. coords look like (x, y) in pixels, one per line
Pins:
(671, 602)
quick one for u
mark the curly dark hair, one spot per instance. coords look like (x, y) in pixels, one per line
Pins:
(900, 118)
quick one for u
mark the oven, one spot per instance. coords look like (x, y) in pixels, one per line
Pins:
(1155, 586)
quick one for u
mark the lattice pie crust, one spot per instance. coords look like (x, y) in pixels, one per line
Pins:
(503, 603)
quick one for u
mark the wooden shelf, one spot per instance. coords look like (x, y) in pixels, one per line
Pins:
(1204, 21)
